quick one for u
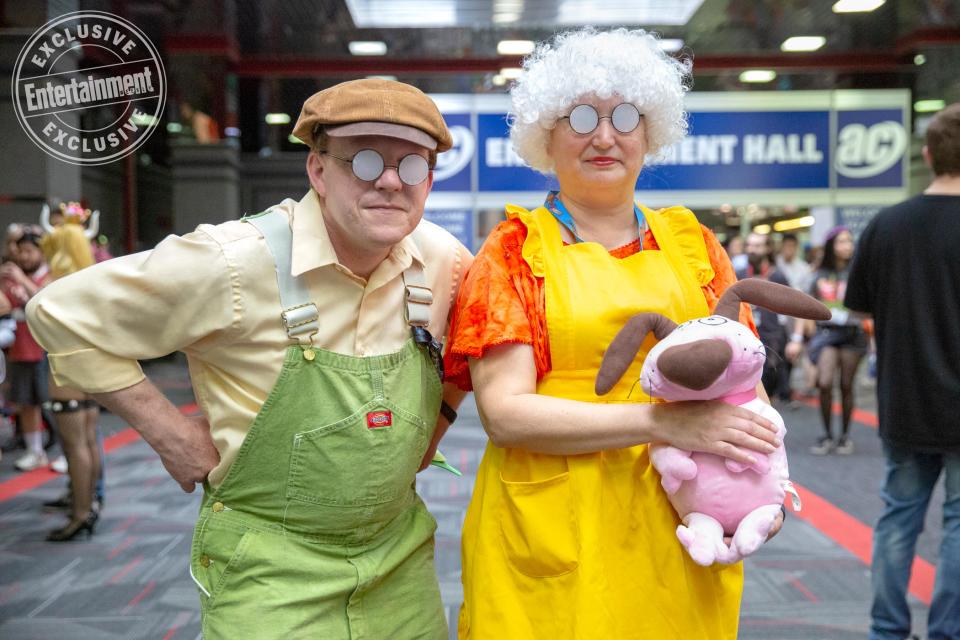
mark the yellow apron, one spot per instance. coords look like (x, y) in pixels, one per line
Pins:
(584, 546)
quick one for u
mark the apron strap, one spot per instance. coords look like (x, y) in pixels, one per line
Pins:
(299, 315)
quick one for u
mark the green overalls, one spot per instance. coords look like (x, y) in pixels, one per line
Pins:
(317, 530)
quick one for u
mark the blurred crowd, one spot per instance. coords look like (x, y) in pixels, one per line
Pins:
(826, 353)
(37, 416)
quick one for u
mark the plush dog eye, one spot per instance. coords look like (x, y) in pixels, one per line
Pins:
(713, 321)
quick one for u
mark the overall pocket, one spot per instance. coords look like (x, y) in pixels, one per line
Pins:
(539, 528)
(370, 457)
(216, 558)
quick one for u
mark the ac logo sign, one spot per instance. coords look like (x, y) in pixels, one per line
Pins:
(867, 151)
(453, 161)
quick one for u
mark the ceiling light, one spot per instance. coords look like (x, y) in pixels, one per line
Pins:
(670, 45)
(855, 6)
(368, 48)
(928, 106)
(394, 78)
(174, 127)
(278, 118)
(505, 17)
(511, 73)
(919, 59)
(762, 229)
(803, 43)
(758, 75)
(498, 80)
(143, 119)
(794, 223)
(515, 47)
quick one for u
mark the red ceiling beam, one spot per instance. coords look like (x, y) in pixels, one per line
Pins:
(897, 60)
(262, 66)
(273, 67)
(207, 44)
(928, 37)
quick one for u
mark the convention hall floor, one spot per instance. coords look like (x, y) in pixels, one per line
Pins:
(130, 580)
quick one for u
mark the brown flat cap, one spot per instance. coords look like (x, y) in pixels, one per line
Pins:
(373, 106)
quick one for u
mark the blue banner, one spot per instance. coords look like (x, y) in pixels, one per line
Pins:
(454, 167)
(459, 222)
(756, 148)
(736, 150)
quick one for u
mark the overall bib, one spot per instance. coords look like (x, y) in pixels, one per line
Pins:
(584, 546)
(317, 530)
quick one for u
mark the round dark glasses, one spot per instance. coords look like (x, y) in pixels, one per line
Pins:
(585, 119)
(368, 165)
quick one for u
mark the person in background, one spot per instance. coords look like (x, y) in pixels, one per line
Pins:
(204, 128)
(67, 250)
(772, 327)
(734, 246)
(20, 280)
(13, 234)
(792, 265)
(837, 345)
(906, 274)
(569, 533)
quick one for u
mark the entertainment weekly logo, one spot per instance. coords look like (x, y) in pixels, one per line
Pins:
(97, 114)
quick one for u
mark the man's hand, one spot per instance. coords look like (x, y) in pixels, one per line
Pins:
(777, 525)
(183, 443)
(716, 427)
(190, 455)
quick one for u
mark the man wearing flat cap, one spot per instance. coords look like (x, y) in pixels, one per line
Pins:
(311, 331)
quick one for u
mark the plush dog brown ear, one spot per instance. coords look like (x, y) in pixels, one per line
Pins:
(626, 345)
(695, 365)
(772, 296)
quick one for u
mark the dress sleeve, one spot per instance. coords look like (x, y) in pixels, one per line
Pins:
(497, 304)
(724, 276)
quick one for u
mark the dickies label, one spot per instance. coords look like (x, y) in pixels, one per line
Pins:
(379, 419)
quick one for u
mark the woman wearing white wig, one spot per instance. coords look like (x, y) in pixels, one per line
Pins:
(569, 534)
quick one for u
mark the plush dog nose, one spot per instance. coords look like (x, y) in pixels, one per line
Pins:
(695, 365)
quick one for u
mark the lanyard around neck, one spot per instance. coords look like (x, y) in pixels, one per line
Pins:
(555, 206)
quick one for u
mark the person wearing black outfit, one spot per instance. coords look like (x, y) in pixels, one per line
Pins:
(771, 327)
(906, 273)
(838, 344)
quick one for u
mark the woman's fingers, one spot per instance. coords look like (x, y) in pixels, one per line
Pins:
(743, 456)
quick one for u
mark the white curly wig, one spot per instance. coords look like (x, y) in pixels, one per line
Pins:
(622, 62)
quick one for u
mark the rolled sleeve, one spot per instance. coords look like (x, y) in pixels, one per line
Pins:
(97, 323)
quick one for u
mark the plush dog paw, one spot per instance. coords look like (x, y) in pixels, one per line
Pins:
(754, 529)
(703, 549)
(761, 466)
(676, 473)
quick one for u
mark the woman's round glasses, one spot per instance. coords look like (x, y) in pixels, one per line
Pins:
(585, 119)
(368, 165)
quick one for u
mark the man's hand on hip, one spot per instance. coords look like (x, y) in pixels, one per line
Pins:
(183, 443)
(190, 455)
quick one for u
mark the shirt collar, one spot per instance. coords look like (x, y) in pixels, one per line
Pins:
(312, 248)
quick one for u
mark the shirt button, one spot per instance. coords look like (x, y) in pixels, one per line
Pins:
(205, 560)
(217, 507)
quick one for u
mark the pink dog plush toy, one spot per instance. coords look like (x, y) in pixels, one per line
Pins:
(714, 358)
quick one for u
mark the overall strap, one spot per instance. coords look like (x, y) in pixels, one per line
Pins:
(300, 315)
(417, 300)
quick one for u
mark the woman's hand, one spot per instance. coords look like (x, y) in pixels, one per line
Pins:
(715, 427)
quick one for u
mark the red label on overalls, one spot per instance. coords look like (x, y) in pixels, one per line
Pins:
(379, 419)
